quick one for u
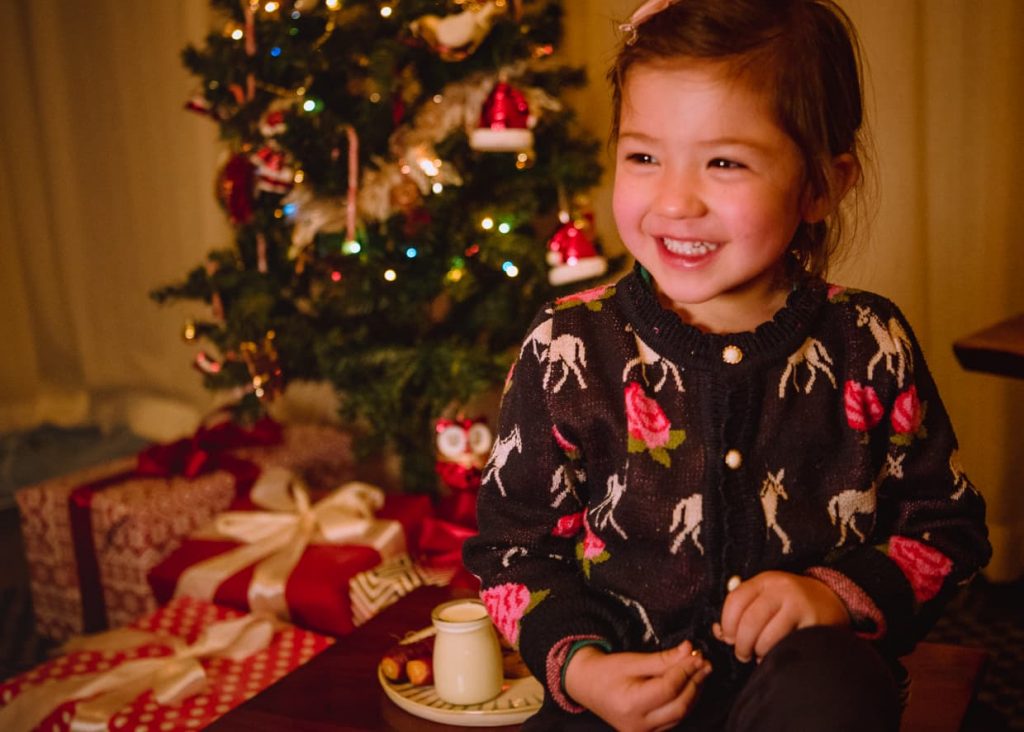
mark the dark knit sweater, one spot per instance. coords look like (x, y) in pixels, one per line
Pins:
(640, 464)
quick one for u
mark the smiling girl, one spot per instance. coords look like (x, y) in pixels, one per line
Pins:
(731, 497)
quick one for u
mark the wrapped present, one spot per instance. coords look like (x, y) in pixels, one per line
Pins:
(179, 668)
(91, 537)
(327, 565)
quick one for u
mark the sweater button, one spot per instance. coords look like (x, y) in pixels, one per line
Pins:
(734, 459)
(732, 355)
(733, 582)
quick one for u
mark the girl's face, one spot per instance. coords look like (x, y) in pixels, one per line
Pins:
(709, 191)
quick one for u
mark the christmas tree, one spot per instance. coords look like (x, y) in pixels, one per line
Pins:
(404, 186)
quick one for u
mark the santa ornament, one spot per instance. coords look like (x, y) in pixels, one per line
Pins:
(272, 171)
(572, 255)
(505, 122)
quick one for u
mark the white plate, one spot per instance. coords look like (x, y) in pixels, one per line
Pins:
(519, 699)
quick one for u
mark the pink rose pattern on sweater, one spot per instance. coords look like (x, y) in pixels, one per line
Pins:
(506, 605)
(647, 426)
(863, 409)
(926, 567)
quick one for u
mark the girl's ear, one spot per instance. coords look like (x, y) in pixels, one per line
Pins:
(843, 173)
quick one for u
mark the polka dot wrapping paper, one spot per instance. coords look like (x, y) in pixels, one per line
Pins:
(229, 683)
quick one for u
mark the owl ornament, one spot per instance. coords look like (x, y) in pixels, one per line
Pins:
(463, 446)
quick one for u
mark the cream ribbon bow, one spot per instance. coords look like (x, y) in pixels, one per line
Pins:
(171, 678)
(277, 537)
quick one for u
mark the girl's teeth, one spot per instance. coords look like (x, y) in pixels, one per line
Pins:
(690, 248)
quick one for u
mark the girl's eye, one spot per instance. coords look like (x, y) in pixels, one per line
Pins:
(640, 158)
(724, 164)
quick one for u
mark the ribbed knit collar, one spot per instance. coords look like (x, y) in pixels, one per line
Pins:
(666, 333)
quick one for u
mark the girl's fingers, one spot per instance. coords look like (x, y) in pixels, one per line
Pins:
(777, 628)
(735, 605)
(657, 663)
(756, 617)
(678, 706)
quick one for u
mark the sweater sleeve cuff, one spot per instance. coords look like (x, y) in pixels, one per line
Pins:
(558, 661)
(868, 621)
(880, 581)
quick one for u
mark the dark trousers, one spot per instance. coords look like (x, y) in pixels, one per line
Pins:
(818, 678)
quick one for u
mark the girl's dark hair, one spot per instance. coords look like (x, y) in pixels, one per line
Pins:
(805, 53)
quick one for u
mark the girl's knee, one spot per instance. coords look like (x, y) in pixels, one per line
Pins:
(820, 678)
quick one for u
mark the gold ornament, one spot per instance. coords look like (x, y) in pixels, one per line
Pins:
(264, 367)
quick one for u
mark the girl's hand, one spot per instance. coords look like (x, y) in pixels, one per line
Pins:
(637, 692)
(769, 606)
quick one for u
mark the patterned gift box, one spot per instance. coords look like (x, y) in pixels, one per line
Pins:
(328, 566)
(91, 537)
(240, 658)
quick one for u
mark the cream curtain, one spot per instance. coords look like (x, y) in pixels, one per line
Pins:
(106, 192)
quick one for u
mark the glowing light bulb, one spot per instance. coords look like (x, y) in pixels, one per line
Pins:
(289, 209)
(438, 99)
(275, 51)
(390, 275)
(487, 224)
(385, 11)
(237, 34)
(510, 269)
(309, 105)
(375, 97)
(454, 275)
(437, 188)
(333, 4)
(351, 247)
(271, 6)
(504, 227)
(411, 252)
(299, 176)
(336, 276)
(429, 167)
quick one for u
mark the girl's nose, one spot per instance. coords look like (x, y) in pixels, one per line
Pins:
(680, 196)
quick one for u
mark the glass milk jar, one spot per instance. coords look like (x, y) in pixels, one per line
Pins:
(467, 656)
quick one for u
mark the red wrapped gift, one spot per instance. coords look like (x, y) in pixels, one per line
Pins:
(179, 668)
(327, 566)
(91, 537)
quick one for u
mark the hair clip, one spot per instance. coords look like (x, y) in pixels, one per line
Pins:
(642, 15)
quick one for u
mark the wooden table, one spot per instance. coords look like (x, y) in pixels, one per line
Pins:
(338, 689)
(998, 349)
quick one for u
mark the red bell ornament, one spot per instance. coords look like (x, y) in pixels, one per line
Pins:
(504, 122)
(234, 188)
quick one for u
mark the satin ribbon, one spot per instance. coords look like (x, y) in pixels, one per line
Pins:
(171, 678)
(440, 545)
(275, 539)
(206, 451)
